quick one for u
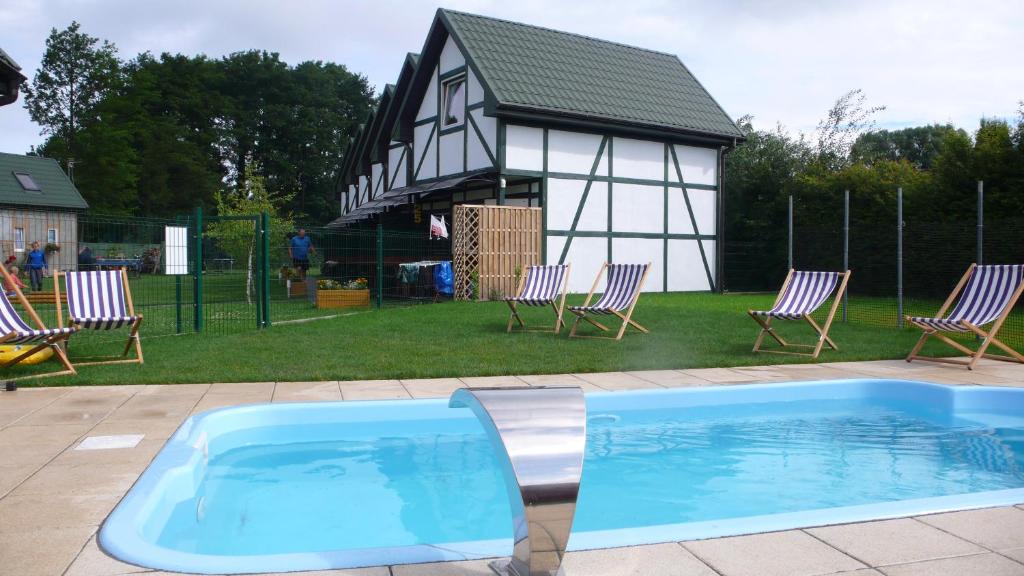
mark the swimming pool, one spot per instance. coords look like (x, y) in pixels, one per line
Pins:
(268, 488)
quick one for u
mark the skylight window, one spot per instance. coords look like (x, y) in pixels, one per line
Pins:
(27, 183)
(454, 101)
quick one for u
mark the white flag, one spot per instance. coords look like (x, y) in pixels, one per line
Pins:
(437, 227)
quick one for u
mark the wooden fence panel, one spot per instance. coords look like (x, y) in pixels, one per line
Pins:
(491, 247)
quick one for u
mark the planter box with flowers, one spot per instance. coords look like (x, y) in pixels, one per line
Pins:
(334, 294)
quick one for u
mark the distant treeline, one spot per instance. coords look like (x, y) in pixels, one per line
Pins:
(937, 167)
(157, 136)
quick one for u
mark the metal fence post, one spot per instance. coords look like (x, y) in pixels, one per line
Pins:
(257, 224)
(790, 231)
(197, 281)
(380, 266)
(265, 267)
(899, 257)
(846, 247)
(981, 221)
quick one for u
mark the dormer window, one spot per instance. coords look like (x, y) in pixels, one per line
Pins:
(27, 183)
(454, 105)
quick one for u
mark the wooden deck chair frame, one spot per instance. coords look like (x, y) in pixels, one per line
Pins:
(55, 342)
(627, 318)
(133, 336)
(559, 308)
(821, 331)
(987, 337)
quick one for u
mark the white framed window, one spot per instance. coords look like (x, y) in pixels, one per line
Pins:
(52, 236)
(453, 106)
(19, 239)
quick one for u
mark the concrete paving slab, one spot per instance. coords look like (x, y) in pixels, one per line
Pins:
(42, 552)
(306, 392)
(720, 375)
(154, 406)
(669, 378)
(374, 390)
(243, 388)
(492, 381)
(153, 428)
(81, 406)
(979, 565)
(213, 401)
(615, 381)
(471, 568)
(814, 372)
(81, 479)
(993, 528)
(92, 561)
(179, 390)
(48, 511)
(661, 559)
(762, 373)
(432, 387)
(897, 541)
(759, 555)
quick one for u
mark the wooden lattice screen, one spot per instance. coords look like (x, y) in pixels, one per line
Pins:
(493, 242)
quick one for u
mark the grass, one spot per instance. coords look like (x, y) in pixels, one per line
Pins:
(469, 339)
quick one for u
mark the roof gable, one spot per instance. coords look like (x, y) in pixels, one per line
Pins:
(56, 189)
(528, 68)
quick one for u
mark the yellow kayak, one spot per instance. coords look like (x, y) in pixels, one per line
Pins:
(9, 352)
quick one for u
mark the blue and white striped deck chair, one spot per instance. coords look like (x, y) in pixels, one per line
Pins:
(14, 330)
(625, 281)
(802, 293)
(102, 300)
(987, 296)
(541, 286)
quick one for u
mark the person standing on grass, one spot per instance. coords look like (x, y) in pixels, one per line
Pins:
(36, 264)
(11, 286)
(299, 249)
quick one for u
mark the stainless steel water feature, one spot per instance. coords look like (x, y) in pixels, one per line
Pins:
(539, 434)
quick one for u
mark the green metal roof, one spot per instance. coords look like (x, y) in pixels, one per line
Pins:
(537, 69)
(57, 191)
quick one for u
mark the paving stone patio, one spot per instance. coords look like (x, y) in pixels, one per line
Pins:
(53, 498)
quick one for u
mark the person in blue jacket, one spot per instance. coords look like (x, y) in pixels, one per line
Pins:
(299, 249)
(35, 262)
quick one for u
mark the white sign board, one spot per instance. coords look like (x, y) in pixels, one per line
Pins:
(175, 250)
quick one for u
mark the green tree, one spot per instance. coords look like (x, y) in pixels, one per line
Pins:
(238, 237)
(76, 73)
(918, 145)
(845, 121)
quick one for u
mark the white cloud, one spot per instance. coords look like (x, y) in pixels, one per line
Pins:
(782, 61)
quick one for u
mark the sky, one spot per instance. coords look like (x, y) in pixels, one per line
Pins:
(784, 62)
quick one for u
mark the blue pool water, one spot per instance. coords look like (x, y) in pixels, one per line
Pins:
(311, 486)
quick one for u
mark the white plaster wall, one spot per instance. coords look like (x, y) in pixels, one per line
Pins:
(699, 165)
(638, 159)
(586, 256)
(377, 170)
(703, 204)
(451, 153)
(488, 126)
(642, 251)
(563, 199)
(686, 271)
(524, 147)
(475, 90)
(364, 184)
(476, 156)
(428, 107)
(638, 208)
(451, 57)
(422, 145)
(396, 166)
(572, 152)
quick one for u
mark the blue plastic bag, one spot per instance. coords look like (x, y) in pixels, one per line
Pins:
(443, 282)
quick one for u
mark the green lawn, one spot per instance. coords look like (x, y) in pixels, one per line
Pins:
(469, 339)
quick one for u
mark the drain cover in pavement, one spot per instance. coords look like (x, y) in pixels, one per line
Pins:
(110, 442)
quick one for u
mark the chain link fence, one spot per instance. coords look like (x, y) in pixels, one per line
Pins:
(900, 267)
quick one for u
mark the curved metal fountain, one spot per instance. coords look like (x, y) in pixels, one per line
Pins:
(539, 434)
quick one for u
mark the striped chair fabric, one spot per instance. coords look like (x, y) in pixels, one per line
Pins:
(983, 300)
(96, 300)
(11, 322)
(623, 283)
(541, 286)
(804, 294)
